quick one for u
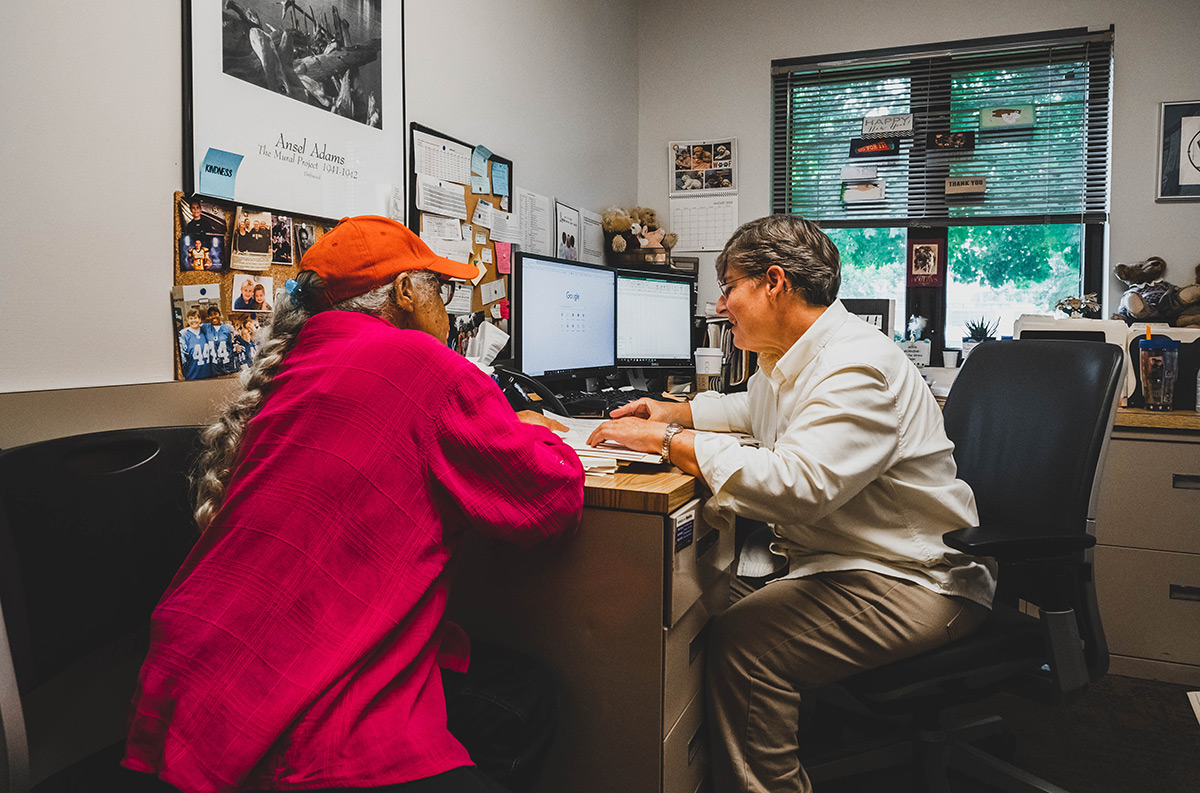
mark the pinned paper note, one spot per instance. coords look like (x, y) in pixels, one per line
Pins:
(461, 302)
(495, 311)
(503, 258)
(482, 271)
(218, 173)
(486, 255)
(492, 291)
(500, 180)
(479, 185)
(483, 215)
(479, 159)
(480, 237)
(443, 228)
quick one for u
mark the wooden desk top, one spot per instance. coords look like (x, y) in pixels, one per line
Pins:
(640, 488)
(1158, 419)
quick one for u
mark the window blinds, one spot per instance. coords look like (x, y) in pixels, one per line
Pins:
(1053, 172)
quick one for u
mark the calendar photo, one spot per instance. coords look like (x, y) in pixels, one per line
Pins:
(703, 165)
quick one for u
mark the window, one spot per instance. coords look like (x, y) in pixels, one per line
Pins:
(1034, 236)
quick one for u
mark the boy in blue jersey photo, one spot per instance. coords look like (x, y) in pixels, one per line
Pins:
(220, 343)
(193, 348)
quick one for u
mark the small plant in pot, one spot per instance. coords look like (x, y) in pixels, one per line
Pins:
(978, 330)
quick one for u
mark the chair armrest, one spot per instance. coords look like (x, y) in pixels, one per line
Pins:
(1008, 543)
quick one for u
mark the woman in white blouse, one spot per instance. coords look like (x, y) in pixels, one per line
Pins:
(854, 475)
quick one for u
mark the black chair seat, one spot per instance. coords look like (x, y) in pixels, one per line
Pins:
(1008, 643)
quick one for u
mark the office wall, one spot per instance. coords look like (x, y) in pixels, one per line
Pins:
(710, 78)
(91, 139)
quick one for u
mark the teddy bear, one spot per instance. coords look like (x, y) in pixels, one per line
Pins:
(652, 235)
(618, 230)
(1151, 299)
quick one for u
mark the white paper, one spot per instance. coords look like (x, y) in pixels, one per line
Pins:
(481, 238)
(458, 250)
(483, 215)
(396, 205)
(441, 159)
(579, 430)
(593, 238)
(486, 255)
(533, 213)
(443, 228)
(492, 291)
(441, 197)
(461, 302)
(482, 271)
(505, 227)
(703, 223)
(567, 234)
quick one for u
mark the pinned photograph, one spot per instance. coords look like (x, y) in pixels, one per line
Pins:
(306, 235)
(252, 293)
(202, 243)
(248, 332)
(251, 240)
(203, 346)
(950, 141)
(281, 239)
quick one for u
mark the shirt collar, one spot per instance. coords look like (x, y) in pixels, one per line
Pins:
(806, 348)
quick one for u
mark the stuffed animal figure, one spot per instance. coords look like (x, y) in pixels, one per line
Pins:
(629, 230)
(652, 235)
(618, 230)
(1151, 299)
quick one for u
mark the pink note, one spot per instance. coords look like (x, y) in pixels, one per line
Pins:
(503, 257)
(503, 303)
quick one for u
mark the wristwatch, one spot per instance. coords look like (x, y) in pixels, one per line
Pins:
(672, 430)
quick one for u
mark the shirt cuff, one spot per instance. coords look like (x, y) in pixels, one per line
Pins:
(709, 414)
(719, 458)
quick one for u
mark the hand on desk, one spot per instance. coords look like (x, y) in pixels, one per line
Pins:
(641, 425)
(656, 410)
(533, 417)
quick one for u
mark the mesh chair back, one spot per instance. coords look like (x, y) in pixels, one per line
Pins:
(97, 526)
(1029, 420)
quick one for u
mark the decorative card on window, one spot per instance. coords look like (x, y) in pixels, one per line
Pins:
(1007, 117)
(881, 147)
(896, 125)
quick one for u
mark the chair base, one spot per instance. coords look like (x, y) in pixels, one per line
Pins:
(934, 753)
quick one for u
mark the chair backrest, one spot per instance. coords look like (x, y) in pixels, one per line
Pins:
(1030, 420)
(98, 524)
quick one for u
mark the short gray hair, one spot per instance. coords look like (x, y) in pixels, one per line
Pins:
(807, 256)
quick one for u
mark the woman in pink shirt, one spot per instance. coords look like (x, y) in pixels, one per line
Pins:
(301, 644)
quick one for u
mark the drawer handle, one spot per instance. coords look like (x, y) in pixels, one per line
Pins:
(1180, 592)
(707, 542)
(696, 645)
(695, 743)
(1185, 481)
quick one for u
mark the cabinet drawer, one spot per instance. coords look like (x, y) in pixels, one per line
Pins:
(698, 556)
(1150, 497)
(685, 750)
(683, 663)
(1150, 603)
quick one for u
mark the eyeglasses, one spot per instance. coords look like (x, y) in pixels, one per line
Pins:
(446, 290)
(726, 289)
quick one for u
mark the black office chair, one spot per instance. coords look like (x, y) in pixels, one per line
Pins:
(92, 529)
(1030, 421)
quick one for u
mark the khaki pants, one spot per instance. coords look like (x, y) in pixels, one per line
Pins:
(798, 634)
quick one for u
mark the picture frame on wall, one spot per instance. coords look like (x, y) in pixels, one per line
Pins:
(1178, 151)
(926, 262)
(291, 111)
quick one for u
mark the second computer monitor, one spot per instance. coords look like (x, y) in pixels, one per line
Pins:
(654, 319)
(564, 317)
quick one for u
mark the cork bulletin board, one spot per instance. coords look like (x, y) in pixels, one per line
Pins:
(211, 272)
(490, 294)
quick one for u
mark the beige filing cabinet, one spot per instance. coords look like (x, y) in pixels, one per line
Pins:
(619, 615)
(1148, 547)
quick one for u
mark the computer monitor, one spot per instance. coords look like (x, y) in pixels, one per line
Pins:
(564, 317)
(654, 319)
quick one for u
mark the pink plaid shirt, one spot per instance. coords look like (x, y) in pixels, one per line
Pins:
(299, 645)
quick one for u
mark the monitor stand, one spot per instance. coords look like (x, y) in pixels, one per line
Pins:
(638, 379)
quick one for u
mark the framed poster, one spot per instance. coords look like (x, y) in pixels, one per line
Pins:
(1179, 151)
(926, 262)
(568, 237)
(288, 109)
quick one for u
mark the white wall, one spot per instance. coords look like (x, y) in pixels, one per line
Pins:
(717, 84)
(91, 139)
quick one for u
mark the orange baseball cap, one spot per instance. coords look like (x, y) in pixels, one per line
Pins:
(368, 251)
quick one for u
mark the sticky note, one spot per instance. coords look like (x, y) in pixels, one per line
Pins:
(486, 253)
(479, 159)
(503, 258)
(218, 173)
(500, 178)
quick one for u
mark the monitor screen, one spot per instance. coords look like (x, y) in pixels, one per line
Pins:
(564, 317)
(654, 319)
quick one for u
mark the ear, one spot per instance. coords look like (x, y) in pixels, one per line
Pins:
(404, 290)
(777, 280)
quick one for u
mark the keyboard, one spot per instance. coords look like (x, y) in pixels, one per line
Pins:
(588, 403)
